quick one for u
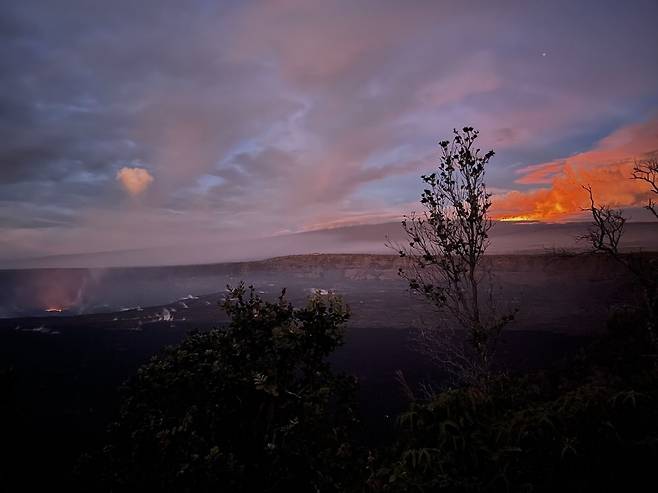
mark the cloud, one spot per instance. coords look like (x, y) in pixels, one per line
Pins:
(134, 180)
(293, 113)
(607, 168)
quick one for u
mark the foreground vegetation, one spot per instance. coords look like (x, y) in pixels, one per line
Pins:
(252, 407)
(256, 407)
(589, 426)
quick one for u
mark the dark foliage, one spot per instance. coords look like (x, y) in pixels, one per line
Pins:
(9, 421)
(253, 407)
(592, 426)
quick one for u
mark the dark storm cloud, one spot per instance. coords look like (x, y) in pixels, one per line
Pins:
(280, 115)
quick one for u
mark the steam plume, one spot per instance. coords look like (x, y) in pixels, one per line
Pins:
(134, 180)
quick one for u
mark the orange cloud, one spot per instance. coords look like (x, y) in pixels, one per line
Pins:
(134, 180)
(607, 168)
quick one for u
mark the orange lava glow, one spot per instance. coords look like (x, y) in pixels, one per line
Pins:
(565, 198)
(607, 168)
(517, 219)
(54, 310)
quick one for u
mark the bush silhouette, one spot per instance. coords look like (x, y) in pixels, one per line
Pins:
(252, 407)
(591, 426)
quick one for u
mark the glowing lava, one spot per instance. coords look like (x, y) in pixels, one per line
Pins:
(54, 310)
(517, 219)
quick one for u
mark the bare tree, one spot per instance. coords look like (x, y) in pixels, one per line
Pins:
(607, 228)
(605, 234)
(444, 259)
(647, 170)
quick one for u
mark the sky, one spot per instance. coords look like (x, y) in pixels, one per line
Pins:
(127, 125)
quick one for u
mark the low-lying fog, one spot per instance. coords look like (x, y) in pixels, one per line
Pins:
(507, 238)
(554, 293)
(62, 290)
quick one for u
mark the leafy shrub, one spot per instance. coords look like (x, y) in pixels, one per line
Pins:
(252, 407)
(583, 429)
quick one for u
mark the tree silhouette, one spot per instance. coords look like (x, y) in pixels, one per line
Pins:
(444, 253)
(605, 235)
(647, 170)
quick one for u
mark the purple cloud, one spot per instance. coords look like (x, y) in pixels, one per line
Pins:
(261, 117)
